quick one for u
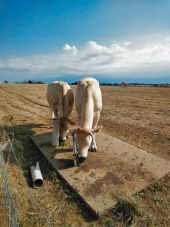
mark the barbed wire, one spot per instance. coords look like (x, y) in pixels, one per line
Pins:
(30, 195)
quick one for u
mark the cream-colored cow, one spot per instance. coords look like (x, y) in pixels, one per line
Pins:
(60, 98)
(88, 103)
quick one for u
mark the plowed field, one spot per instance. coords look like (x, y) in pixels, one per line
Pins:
(137, 115)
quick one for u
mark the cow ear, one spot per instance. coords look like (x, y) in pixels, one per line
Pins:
(96, 130)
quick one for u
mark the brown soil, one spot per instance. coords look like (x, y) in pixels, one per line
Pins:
(137, 115)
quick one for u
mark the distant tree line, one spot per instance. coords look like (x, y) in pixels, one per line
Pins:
(31, 82)
(124, 84)
(131, 84)
(34, 82)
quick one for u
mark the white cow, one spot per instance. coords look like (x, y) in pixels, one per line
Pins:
(60, 98)
(88, 103)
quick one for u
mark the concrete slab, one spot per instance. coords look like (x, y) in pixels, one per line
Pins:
(116, 171)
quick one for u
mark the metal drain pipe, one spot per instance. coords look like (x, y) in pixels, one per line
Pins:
(36, 175)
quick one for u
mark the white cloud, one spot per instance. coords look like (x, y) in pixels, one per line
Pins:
(94, 58)
(72, 49)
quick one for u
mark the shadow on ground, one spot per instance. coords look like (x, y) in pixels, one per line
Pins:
(27, 154)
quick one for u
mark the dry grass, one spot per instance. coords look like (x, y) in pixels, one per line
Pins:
(139, 116)
(54, 199)
(3, 214)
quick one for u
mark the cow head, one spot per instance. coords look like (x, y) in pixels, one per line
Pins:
(84, 138)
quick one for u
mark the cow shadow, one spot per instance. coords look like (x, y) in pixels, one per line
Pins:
(27, 154)
(24, 153)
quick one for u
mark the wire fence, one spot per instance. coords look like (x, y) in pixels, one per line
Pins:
(12, 220)
(11, 199)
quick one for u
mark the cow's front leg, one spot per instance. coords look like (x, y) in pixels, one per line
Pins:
(93, 144)
(55, 132)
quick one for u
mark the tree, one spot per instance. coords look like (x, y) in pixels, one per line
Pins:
(30, 82)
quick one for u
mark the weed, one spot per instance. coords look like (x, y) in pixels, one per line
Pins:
(138, 195)
(158, 199)
(52, 176)
(92, 225)
(157, 186)
(108, 222)
(125, 211)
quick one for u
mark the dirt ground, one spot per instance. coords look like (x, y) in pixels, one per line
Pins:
(137, 115)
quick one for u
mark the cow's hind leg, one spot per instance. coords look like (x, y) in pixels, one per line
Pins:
(52, 118)
(94, 126)
(55, 127)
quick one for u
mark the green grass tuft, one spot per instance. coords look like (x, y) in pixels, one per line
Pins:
(138, 195)
(63, 143)
(158, 199)
(157, 187)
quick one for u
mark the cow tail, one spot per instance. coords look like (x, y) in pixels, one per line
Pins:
(61, 102)
(88, 90)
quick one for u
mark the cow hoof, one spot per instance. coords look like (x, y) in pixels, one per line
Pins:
(94, 149)
(81, 159)
(62, 140)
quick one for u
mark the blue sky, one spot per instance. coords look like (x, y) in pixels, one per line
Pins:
(110, 40)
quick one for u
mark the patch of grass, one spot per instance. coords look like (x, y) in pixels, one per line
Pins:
(63, 143)
(52, 176)
(73, 196)
(158, 199)
(157, 187)
(108, 222)
(91, 225)
(125, 211)
(138, 195)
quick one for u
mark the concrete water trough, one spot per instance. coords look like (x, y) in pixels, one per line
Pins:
(116, 171)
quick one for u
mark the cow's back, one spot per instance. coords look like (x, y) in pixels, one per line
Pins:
(88, 88)
(60, 97)
(53, 92)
